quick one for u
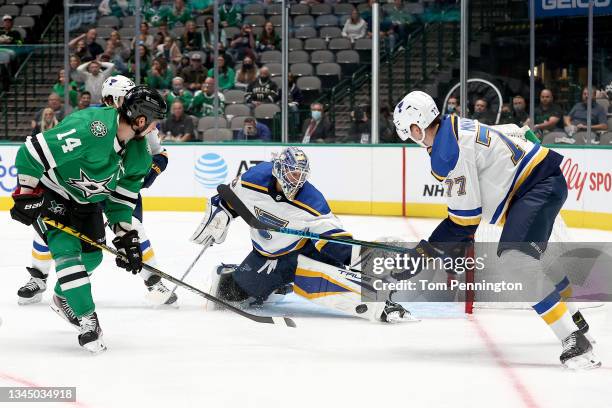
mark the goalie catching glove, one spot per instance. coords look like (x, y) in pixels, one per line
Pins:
(214, 225)
(128, 245)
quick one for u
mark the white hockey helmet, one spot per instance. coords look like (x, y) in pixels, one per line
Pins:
(116, 87)
(417, 108)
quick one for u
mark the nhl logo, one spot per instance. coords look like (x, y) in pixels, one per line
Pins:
(98, 129)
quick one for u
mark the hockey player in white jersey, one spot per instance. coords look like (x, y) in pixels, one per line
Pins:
(113, 92)
(279, 193)
(494, 177)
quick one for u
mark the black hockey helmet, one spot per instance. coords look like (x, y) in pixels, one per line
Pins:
(142, 100)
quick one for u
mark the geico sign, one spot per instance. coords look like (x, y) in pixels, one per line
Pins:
(571, 4)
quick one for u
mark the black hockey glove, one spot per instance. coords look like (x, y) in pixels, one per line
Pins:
(129, 247)
(423, 250)
(27, 205)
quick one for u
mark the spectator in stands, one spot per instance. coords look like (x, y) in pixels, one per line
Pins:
(202, 6)
(576, 119)
(75, 75)
(396, 23)
(548, 115)
(181, 12)
(195, 74)
(482, 113)
(295, 94)
(156, 13)
(191, 40)
(94, 77)
(317, 129)
(59, 88)
(229, 14)
(117, 8)
(506, 116)
(208, 36)
(145, 61)
(117, 56)
(519, 111)
(179, 93)
(79, 48)
(204, 100)
(262, 90)
(144, 37)
(355, 27)
(243, 43)
(163, 29)
(55, 103)
(84, 100)
(453, 106)
(47, 121)
(268, 39)
(159, 76)
(253, 130)
(386, 127)
(178, 127)
(246, 74)
(226, 74)
(93, 48)
(170, 51)
(360, 128)
(7, 34)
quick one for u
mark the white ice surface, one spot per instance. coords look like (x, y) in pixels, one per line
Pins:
(188, 357)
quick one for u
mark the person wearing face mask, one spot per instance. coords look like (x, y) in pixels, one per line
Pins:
(262, 90)
(452, 106)
(227, 75)
(247, 74)
(317, 129)
(179, 93)
(519, 111)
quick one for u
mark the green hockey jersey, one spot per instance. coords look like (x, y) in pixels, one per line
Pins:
(82, 159)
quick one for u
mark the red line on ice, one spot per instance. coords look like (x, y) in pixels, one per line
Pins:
(516, 382)
(27, 383)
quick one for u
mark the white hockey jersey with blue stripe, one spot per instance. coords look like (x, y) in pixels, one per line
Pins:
(483, 169)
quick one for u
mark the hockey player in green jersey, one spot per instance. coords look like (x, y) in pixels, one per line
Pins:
(94, 156)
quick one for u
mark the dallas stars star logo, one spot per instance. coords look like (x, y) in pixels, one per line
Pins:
(57, 208)
(89, 186)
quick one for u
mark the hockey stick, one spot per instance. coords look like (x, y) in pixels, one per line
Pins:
(207, 244)
(259, 319)
(237, 205)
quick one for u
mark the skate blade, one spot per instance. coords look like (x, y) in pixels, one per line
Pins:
(394, 318)
(21, 301)
(590, 338)
(64, 318)
(95, 347)
(157, 298)
(585, 361)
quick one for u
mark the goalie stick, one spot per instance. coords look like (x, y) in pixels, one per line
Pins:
(237, 205)
(259, 319)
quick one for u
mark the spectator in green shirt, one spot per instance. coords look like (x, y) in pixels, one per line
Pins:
(204, 100)
(159, 76)
(179, 93)
(229, 14)
(155, 13)
(179, 13)
(227, 75)
(59, 87)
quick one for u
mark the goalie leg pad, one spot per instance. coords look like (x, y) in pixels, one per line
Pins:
(335, 288)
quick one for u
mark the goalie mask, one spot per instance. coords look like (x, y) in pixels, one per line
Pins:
(291, 168)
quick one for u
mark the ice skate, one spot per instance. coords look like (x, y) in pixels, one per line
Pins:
(578, 352)
(91, 334)
(32, 291)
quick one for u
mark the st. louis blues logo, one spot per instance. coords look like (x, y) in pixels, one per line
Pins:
(268, 218)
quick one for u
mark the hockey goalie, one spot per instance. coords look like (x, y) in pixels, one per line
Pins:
(493, 174)
(279, 193)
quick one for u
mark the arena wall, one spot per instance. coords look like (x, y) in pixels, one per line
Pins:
(356, 179)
